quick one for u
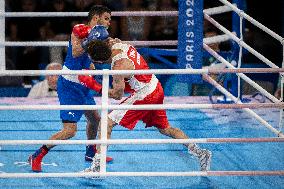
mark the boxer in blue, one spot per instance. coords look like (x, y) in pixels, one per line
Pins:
(71, 88)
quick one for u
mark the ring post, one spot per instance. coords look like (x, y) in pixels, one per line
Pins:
(104, 113)
(280, 124)
(2, 36)
(190, 38)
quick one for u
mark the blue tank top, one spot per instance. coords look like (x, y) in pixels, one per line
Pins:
(75, 63)
(78, 63)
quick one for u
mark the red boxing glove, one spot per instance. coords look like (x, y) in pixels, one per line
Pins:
(81, 31)
(90, 82)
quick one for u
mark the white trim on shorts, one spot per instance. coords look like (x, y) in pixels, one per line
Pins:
(117, 115)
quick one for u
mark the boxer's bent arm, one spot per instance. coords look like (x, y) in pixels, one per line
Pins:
(77, 49)
(118, 87)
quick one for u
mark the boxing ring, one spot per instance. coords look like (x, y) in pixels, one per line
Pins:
(245, 154)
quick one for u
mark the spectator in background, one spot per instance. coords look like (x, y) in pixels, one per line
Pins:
(208, 61)
(47, 87)
(60, 27)
(8, 6)
(165, 27)
(25, 29)
(135, 27)
(116, 5)
(277, 93)
(83, 5)
(11, 81)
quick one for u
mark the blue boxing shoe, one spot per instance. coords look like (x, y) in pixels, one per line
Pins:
(91, 151)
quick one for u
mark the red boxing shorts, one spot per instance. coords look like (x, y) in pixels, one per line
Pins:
(129, 118)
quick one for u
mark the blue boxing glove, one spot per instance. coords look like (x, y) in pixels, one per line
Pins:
(98, 32)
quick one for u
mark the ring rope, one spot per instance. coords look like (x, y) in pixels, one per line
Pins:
(216, 39)
(217, 10)
(210, 11)
(143, 174)
(84, 14)
(65, 43)
(142, 141)
(208, 40)
(231, 69)
(143, 107)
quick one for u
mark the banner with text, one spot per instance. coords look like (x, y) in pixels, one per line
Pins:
(190, 38)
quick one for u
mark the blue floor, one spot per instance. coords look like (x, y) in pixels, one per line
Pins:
(139, 158)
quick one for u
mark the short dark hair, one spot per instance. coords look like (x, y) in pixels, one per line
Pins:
(99, 50)
(97, 10)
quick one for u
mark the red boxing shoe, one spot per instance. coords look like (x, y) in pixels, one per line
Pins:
(109, 159)
(36, 159)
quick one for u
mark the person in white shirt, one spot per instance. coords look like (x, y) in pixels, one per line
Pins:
(47, 87)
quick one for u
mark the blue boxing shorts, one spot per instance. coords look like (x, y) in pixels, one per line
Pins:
(70, 93)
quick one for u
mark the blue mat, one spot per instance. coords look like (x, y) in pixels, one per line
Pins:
(139, 158)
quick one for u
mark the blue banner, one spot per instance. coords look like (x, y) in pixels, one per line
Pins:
(190, 38)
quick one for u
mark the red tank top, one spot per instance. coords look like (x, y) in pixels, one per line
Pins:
(136, 81)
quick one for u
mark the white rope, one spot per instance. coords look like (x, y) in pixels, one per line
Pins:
(216, 39)
(141, 141)
(217, 10)
(239, 41)
(92, 174)
(253, 21)
(99, 72)
(84, 14)
(65, 43)
(143, 174)
(35, 43)
(231, 69)
(142, 107)
(208, 40)
(211, 11)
